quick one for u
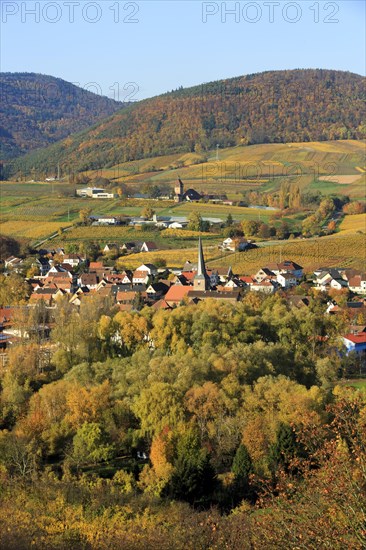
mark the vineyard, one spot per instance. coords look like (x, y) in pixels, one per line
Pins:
(354, 223)
(173, 258)
(30, 229)
(336, 251)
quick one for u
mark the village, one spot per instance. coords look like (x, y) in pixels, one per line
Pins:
(75, 278)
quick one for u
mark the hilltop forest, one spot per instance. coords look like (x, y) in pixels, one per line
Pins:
(37, 110)
(209, 426)
(270, 107)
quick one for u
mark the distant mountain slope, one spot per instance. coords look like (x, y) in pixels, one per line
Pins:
(270, 107)
(37, 110)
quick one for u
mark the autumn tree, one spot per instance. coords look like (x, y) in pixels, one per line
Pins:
(84, 216)
(250, 227)
(147, 212)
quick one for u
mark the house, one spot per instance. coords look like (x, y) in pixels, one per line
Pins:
(94, 193)
(264, 273)
(161, 304)
(124, 278)
(214, 277)
(151, 269)
(224, 274)
(248, 281)
(104, 220)
(56, 270)
(286, 280)
(355, 343)
(235, 244)
(140, 277)
(268, 287)
(329, 278)
(358, 284)
(89, 280)
(156, 291)
(126, 298)
(148, 246)
(235, 282)
(13, 263)
(176, 294)
(43, 264)
(47, 295)
(129, 247)
(192, 195)
(287, 266)
(72, 259)
(231, 296)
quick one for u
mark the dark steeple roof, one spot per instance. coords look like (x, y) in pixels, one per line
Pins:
(201, 280)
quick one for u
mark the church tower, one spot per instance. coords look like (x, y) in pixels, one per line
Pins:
(179, 191)
(201, 280)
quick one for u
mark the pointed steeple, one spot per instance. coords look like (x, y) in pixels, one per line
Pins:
(201, 280)
(201, 268)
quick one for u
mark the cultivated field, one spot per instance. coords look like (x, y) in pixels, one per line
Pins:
(32, 230)
(34, 211)
(256, 167)
(352, 224)
(334, 251)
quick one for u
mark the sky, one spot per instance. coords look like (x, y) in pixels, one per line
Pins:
(133, 50)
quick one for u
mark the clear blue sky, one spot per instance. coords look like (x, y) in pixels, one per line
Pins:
(177, 43)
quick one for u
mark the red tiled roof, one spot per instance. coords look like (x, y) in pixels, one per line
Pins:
(126, 296)
(189, 275)
(176, 293)
(138, 274)
(355, 281)
(248, 280)
(359, 338)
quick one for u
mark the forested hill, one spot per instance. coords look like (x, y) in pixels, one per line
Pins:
(281, 106)
(37, 110)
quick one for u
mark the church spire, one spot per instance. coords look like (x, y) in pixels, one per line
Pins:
(201, 280)
(201, 268)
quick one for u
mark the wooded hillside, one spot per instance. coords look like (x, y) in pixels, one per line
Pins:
(37, 110)
(270, 107)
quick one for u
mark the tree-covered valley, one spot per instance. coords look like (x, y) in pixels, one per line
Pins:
(208, 426)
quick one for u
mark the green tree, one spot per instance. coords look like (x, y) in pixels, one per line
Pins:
(229, 220)
(193, 479)
(242, 466)
(90, 445)
(285, 449)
